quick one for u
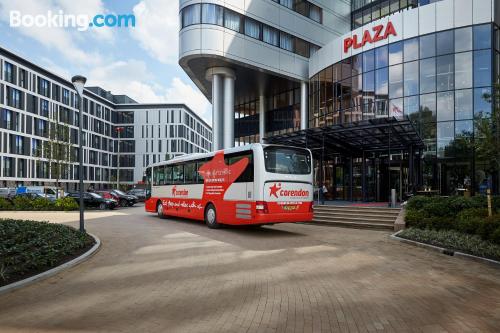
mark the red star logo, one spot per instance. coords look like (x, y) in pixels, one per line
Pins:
(273, 190)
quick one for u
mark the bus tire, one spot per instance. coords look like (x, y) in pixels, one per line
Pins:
(211, 217)
(159, 210)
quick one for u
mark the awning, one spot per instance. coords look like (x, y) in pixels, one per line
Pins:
(370, 135)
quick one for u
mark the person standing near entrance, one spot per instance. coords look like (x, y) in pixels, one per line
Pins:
(324, 191)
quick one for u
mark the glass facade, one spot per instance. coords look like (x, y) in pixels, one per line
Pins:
(440, 81)
(218, 15)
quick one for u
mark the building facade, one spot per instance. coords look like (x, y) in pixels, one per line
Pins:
(391, 95)
(34, 103)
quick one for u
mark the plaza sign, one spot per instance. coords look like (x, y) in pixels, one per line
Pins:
(380, 32)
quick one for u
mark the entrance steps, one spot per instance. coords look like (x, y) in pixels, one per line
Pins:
(356, 217)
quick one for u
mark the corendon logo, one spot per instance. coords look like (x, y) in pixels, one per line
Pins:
(379, 33)
(276, 191)
(176, 192)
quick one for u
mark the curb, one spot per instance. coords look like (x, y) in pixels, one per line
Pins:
(53, 271)
(443, 250)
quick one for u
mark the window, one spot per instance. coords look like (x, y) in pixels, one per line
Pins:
(43, 87)
(444, 73)
(428, 46)
(178, 174)
(381, 83)
(445, 134)
(396, 81)
(301, 47)
(482, 68)
(368, 61)
(463, 104)
(444, 42)
(395, 53)
(315, 13)
(427, 75)
(191, 15)
(411, 86)
(9, 72)
(463, 70)
(190, 173)
(232, 20)
(270, 35)
(287, 160)
(381, 57)
(445, 106)
(482, 37)
(286, 41)
(463, 39)
(252, 28)
(211, 14)
(482, 104)
(411, 49)
(428, 107)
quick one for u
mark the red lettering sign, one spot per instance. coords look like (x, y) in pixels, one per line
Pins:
(377, 33)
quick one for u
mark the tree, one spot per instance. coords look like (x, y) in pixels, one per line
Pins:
(487, 136)
(57, 150)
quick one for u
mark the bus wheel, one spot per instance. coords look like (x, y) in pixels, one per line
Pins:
(211, 217)
(159, 210)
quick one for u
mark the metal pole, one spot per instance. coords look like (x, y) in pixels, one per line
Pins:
(118, 162)
(80, 165)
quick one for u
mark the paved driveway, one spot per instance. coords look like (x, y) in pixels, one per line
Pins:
(154, 275)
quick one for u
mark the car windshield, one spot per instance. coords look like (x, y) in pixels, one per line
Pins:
(293, 161)
(119, 192)
(95, 195)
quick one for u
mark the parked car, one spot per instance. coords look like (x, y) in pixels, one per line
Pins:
(140, 193)
(7, 192)
(124, 198)
(33, 196)
(94, 200)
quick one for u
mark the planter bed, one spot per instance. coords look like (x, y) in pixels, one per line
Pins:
(28, 248)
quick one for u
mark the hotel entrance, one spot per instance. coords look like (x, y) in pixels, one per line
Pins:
(363, 161)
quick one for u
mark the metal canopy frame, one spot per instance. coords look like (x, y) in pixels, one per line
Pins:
(355, 138)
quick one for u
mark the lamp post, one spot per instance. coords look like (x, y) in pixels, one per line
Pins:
(79, 83)
(119, 130)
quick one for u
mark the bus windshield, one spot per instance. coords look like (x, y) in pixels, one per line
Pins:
(293, 161)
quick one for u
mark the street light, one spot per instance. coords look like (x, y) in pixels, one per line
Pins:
(119, 130)
(79, 83)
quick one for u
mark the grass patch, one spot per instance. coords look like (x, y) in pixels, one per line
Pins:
(30, 247)
(454, 240)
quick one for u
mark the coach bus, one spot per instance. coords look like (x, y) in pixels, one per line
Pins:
(255, 184)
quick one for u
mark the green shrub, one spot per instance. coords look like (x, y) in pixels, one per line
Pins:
(418, 202)
(469, 220)
(66, 204)
(42, 204)
(414, 218)
(6, 204)
(488, 227)
(438, 207)
(495, 236)
(454, 240)
(29, 247)
(22, 203)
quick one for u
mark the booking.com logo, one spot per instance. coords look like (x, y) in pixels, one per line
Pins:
(60, 20)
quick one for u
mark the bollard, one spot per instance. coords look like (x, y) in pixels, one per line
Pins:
(393, 197)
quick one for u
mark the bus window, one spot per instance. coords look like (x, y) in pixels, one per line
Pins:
(161, 175)
(293, 161)
(200, 176)
(247, 175)
(155, 176)
(190, 173)
(148, 183)
(178, 174)
(168, 175)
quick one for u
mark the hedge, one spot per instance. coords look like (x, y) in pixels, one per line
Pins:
(465, 215)
(30, 247)
(24, 203)
(454, 240)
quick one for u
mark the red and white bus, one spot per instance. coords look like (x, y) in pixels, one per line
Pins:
(250, 185)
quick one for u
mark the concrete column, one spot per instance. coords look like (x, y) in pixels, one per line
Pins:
(303, 105)
(217, 117)
(262, 118)
(228, 131)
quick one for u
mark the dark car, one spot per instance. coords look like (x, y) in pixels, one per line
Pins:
(140, 193)
(94, 200)
(123, 199)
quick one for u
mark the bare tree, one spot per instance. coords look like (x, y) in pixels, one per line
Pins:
(57, 150)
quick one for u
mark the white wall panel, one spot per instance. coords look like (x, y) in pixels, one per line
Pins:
(397, 21)
(410, 23)
(481, 11)
(463, 13)
(427, 19)
(212, 38)
(445, 14)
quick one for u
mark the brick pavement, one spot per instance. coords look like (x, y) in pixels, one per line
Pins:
(154, 275)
